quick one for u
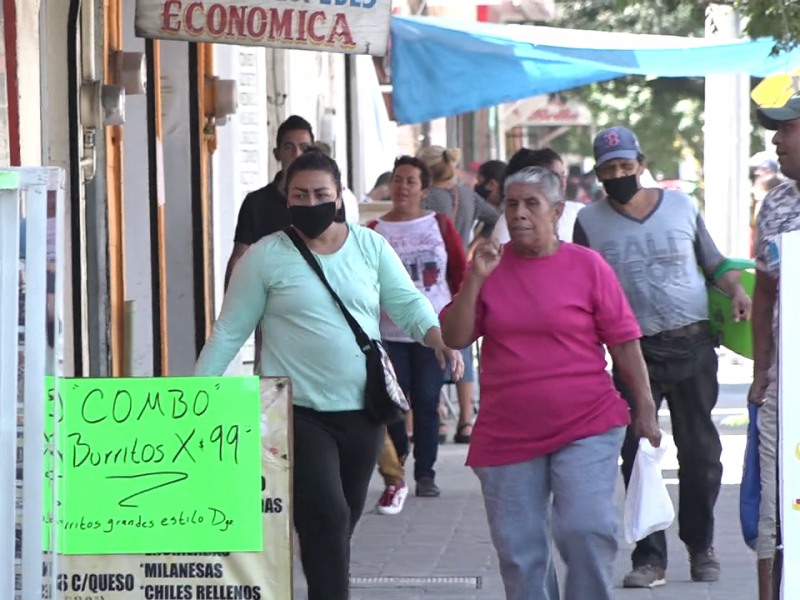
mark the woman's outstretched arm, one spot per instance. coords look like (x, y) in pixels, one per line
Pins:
(242, 309)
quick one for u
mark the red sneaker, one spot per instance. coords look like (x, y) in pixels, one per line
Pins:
(393, 499)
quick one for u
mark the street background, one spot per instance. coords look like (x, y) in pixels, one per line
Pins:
(436, 548)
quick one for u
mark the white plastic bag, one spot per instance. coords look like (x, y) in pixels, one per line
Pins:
(648, 507)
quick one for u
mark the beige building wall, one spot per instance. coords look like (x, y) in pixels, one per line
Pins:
(28, 82)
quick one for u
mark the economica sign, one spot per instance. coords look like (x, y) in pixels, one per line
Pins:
(349, 26)
(160, 465)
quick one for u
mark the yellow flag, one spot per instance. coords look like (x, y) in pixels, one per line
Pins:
(775, 90)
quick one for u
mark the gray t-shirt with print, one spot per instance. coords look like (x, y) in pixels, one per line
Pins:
(656, 259)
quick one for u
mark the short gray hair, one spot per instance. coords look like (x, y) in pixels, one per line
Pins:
(545, 179)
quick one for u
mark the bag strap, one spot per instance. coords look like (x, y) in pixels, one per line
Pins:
(362, 338)
(457, 202)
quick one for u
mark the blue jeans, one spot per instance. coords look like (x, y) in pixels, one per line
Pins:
(421, 378)
(581, 477)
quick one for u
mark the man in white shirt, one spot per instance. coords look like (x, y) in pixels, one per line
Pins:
(548, 159)
(350, 204)
(349, 200)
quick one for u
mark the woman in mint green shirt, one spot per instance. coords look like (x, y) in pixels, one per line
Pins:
(306, 337)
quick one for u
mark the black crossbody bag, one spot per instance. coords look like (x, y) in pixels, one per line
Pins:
(384, 401)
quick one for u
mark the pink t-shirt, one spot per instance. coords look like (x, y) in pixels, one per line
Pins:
(543, 376)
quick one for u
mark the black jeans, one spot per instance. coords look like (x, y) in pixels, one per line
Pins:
(421, 378)
(683, 371)
(335, 454)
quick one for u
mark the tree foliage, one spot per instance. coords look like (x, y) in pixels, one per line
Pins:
(666, 113)
(779, 19)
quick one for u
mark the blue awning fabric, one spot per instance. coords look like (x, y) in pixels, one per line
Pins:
(442, 67)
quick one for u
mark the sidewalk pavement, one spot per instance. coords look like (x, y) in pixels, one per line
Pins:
(446, 540)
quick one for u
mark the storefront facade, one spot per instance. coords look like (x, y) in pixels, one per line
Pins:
(159, 138)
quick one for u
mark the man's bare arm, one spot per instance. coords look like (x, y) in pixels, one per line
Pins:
(765, 295)
(238, 252)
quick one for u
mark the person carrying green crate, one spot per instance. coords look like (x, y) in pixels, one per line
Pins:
(658, 244)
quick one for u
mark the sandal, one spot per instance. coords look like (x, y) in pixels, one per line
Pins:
(442, 432)
(463, 438)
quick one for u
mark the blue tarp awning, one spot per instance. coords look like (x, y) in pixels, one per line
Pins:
(443, 67)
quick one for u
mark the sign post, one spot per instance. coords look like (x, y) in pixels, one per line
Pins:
(542, 111)
(348, 26)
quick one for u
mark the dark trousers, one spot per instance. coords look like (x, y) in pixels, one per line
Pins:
(421, 378)
(683, 371)
(334, 456)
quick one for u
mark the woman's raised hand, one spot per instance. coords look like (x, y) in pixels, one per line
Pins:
(487, 256)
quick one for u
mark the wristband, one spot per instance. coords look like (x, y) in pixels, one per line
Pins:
(733, 264)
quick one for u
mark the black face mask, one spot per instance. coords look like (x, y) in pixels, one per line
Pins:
(312, 221)
(622, 189)
(480, 189)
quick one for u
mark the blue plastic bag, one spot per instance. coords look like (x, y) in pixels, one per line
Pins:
(750, 490)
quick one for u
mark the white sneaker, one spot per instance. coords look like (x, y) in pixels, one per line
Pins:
(393, 499)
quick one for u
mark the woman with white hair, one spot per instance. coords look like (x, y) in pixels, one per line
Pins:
(551, 423)
(548, 159)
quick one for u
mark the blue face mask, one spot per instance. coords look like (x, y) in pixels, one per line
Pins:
(313, 221)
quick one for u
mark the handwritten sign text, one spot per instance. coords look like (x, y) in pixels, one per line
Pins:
(164, 464)
(265, 575)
